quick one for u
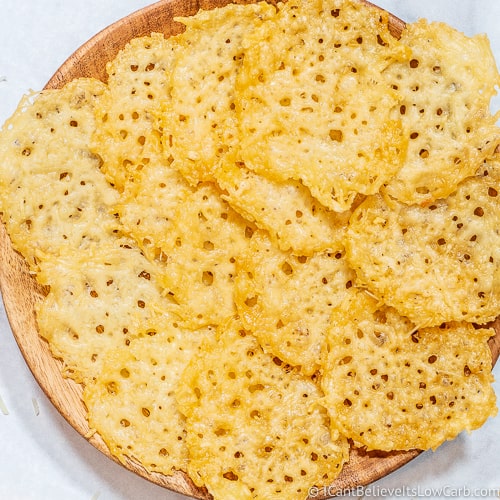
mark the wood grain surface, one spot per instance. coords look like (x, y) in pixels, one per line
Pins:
(20, 290)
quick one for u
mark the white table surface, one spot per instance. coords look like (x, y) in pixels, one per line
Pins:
(41, 456)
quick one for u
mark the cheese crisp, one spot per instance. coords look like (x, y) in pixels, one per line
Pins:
(255, 430)
(199, 270)
(266, 239)
(192, 236)
(446, 88)
(436, 263)
(98, 301)
(294, 219)
(128, 136)
(389, 386)
(312, 83)
(272, 305)
(132, 402)
(200, 121)
(45, 159)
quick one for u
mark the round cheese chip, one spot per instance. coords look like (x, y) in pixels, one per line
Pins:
(314, 104)
(436, 263)
(254, 429)
(52, 195)
(389, 386)
(199, 271)
(193, 237)
(128, 133)
(98, 300)
(286, 300)
(199, 121)
(132, 402)
(295, 220)
(446, 87)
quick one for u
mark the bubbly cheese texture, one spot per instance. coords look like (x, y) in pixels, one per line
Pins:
(446, 87)
(147, 207)
(295, 220)
(286, 300)
(200, 269)
(314, 104)
(51, 193)
(194, 238)
(199, 120)
(128, 133)
(254, 429)
(389, 386)
(132, 404)
(98, 301)
(435, 263)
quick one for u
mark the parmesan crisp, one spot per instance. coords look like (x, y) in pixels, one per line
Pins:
(446, 87)
(435, 263)
(255, 429)
(272, 304)
(312, 83)
(389, 386)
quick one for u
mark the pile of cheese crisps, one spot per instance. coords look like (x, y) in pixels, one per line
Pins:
(267, 240)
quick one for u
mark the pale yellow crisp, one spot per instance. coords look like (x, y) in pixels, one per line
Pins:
(254, 428)
(287, 300)
(389, 386)
(314, 104)
(435, 263)
(446, 87)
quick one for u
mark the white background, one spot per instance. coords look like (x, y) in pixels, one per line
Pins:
(41, 456)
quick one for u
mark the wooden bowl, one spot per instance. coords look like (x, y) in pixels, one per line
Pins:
(20, 291)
